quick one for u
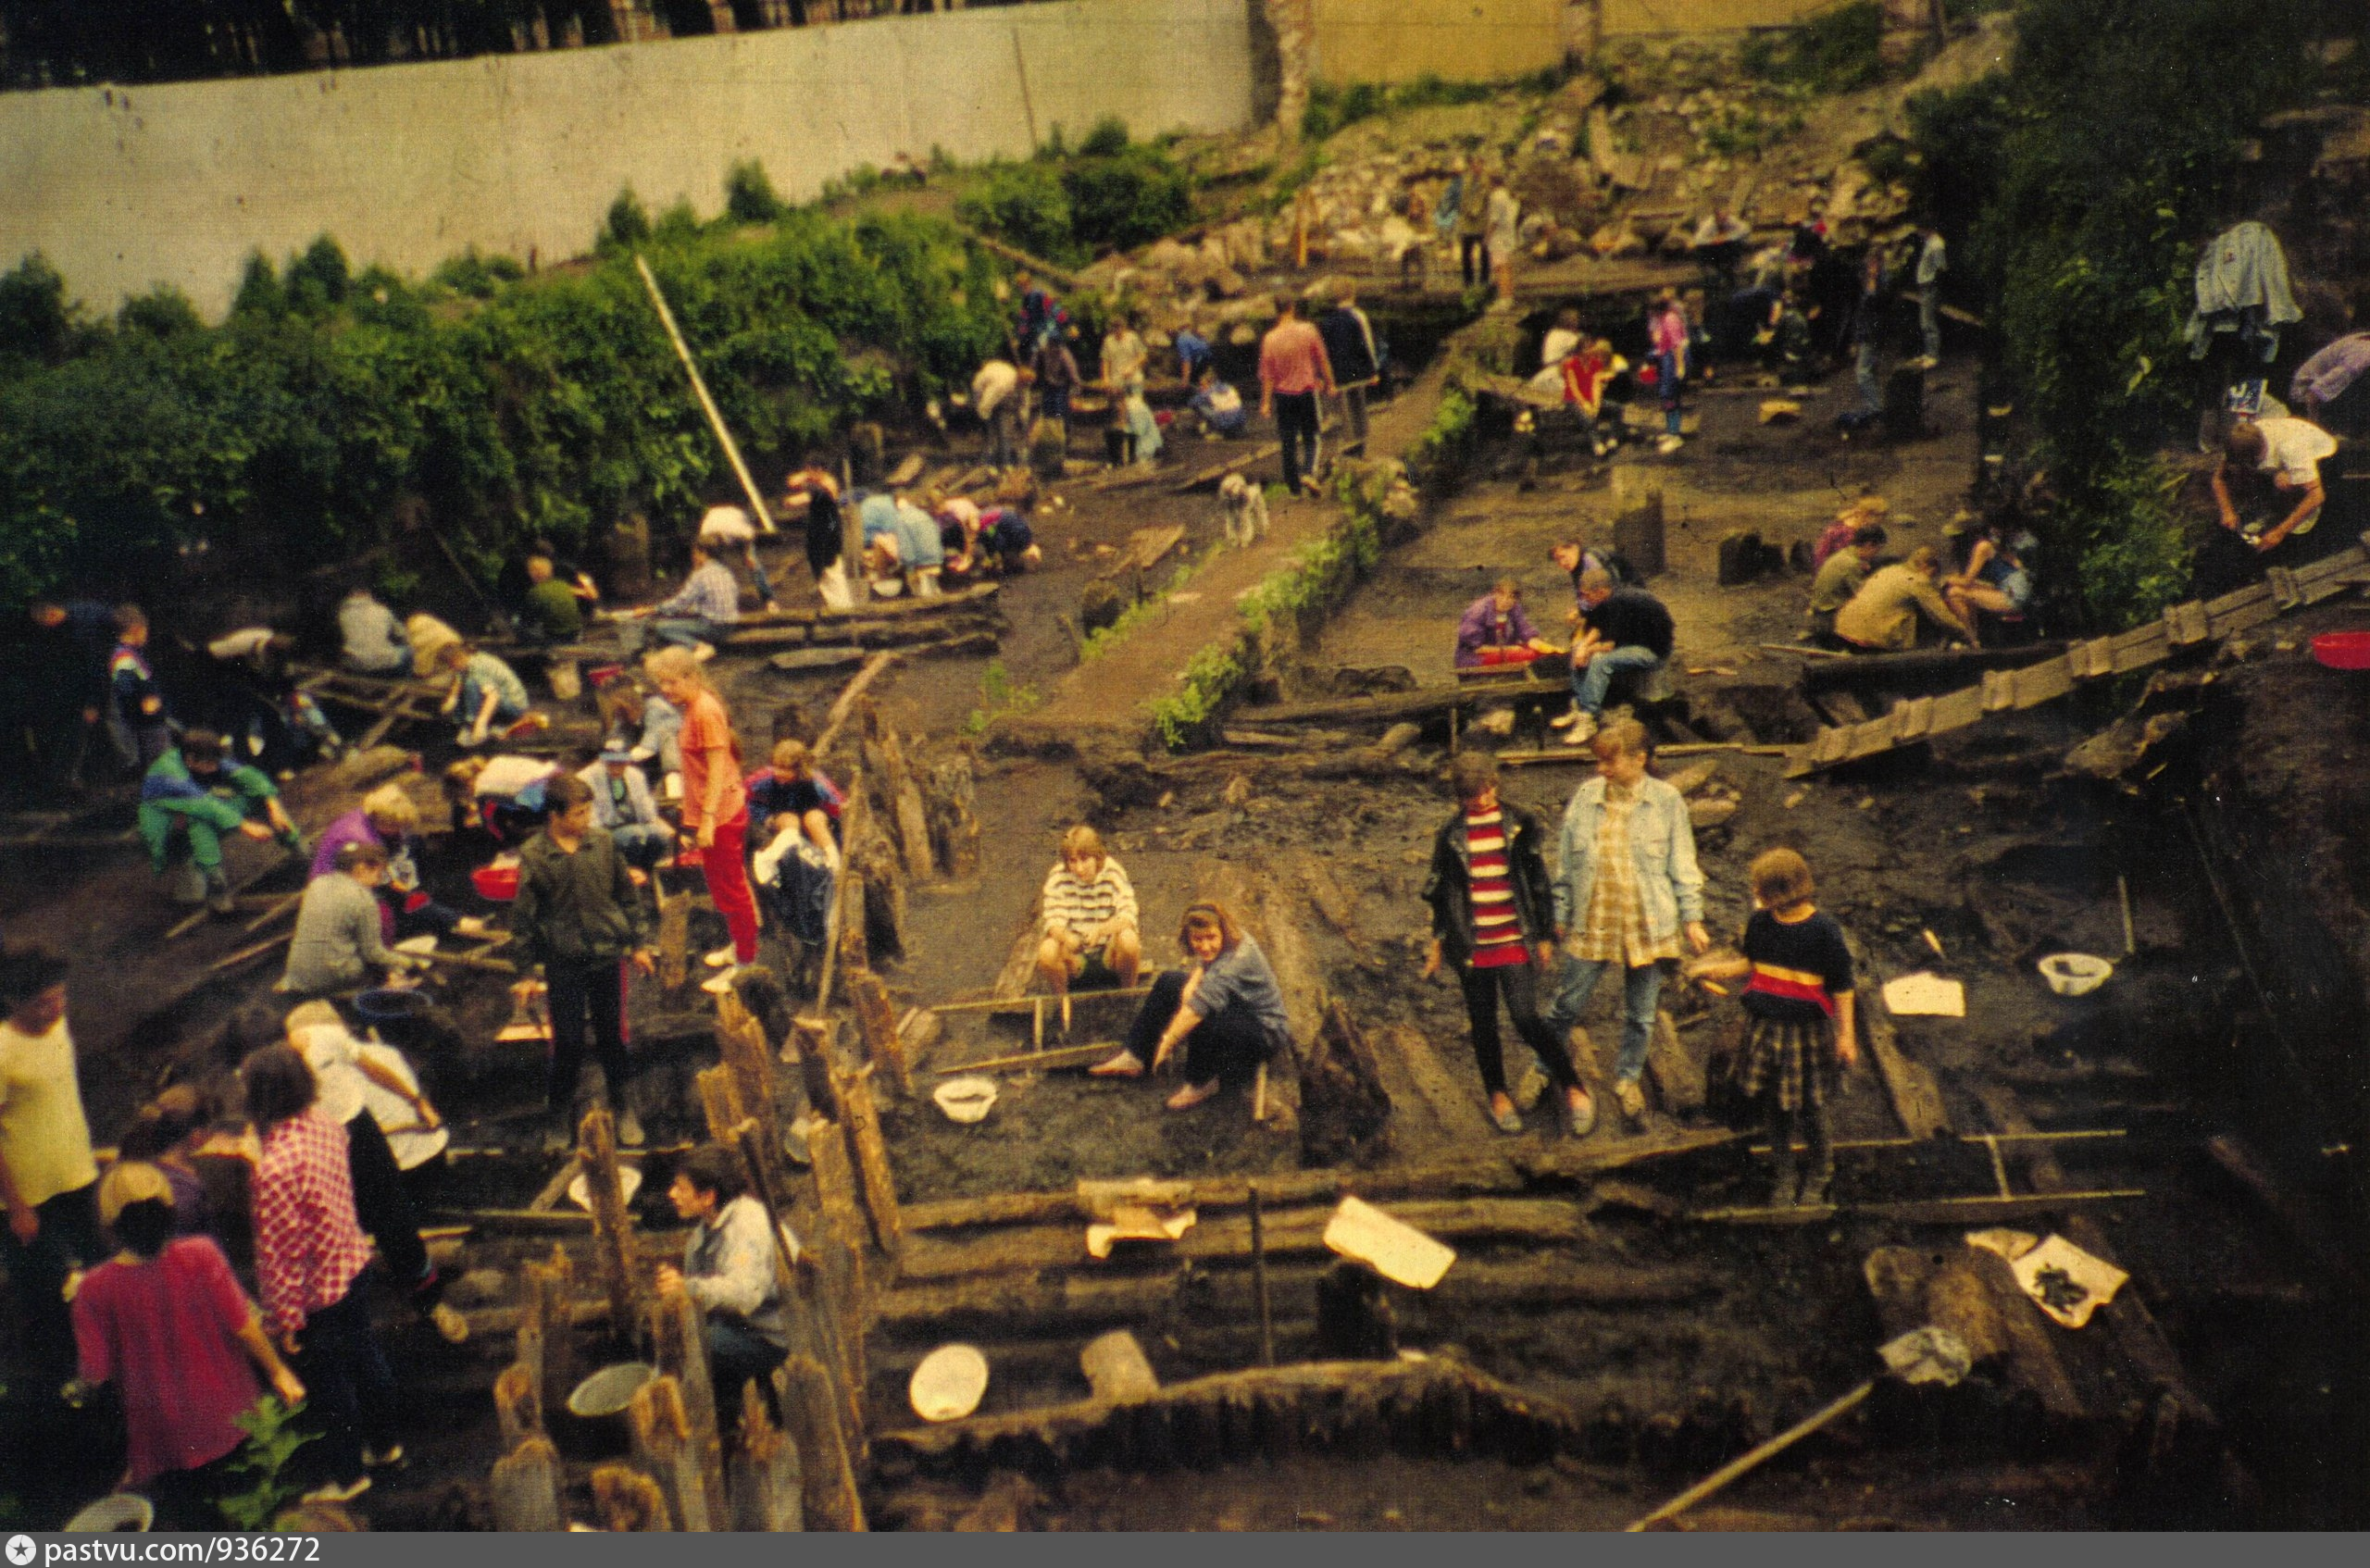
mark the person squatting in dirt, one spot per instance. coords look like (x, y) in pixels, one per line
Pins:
(340, 943)
(1091, 939)
(193, 794)
(1495, 630)
(1628, 891)
(1493, 916)
(1798, 1033)
(1225, 1008)
(731, 1271)
(794, 820)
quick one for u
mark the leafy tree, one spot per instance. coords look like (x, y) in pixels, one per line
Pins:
(37, 325)
(749, 196)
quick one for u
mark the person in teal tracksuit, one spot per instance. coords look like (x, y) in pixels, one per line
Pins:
(196, 790)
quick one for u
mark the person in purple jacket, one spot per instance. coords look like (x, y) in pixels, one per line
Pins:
(1496, 631)
(388, 818)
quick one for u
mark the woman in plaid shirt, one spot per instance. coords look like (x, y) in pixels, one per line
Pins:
(309, 1255)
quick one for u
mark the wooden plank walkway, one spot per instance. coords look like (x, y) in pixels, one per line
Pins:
(2184, 626)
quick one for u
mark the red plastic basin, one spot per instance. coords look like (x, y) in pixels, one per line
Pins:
(2343, 649)
(497, 883)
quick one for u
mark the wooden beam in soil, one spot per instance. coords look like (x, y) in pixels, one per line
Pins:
(1986, 1209)
(1477, 1176)
(2182, 627)
(1452, 1106)
(1861, 670)
(1218, 471)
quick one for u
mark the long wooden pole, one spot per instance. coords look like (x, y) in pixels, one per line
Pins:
(1743, 1462)
(707, 404)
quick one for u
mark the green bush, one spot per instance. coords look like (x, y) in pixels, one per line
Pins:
(1128, 199)
(475, 277)
(1108, 139)
(1832, 52)
(554, 406)
(1024, 204)
(37, 326)
(627, 224)
(749, 196)
(2099, 164)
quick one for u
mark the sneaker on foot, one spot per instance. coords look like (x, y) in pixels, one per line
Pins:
(1580, 1119)
(449, 1323)
(629, 1130)
(1669, 444)
(1509, 1120)
(720, 957)
(1564, 721)
(1632, 1100)
(1583, 732)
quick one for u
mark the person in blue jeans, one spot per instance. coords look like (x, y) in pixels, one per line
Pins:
(1629, 890)
(1621, 632)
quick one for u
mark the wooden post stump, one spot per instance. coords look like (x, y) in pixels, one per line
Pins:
(613, 1238)
(809, 1409)
(674, 940)
(627, 1502)
(951, 801)
(551, 1294)
(876, 1022)
(526, 1488)
(870, 1149)
(766, 1482)
(682, 1355)
(663, 1448)
(518, 1403)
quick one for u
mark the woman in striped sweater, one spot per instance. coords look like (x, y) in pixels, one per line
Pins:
(1090, 919)
(1492, 910)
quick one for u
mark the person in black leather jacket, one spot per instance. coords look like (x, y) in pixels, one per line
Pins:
(1492, 916)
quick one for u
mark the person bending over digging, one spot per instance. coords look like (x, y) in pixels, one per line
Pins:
(1493, 909)
(485, 690)
(1225, 1009)
(340, 942)
(196, 790)
(729, 1269)
(1089, 914)
(1494, 630)
(1798, 1019)
(1629, 890)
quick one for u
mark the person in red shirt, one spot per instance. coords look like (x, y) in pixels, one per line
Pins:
(1293, 372)
(1494, 911)
(165, 1321)
(715, 800)
(309, 1256)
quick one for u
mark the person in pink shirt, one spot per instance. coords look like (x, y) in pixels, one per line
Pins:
(165, 1321)
(1668, 330)
(1293, 372)
(715, 798)
(309, 1256)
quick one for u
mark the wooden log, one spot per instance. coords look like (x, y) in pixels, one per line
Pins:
(807, 1404)
(1356, 1405)
(950, 800)
(1218, 471)
(613, 1238)
(869, 1149)
(917, 1032)
(833, 1174)
(552, 1295)
(1678, 1079)
(682, 1355)
(765, 1482)
(627, 1502)
(876, 1020)
(674, 939)
(1862, 669)
(664, 1449)
(518, 1403)
(719, 1090)
(741, 1047)
(838, 718)
(853, 951)
(526, 1488)
(1912, 1289)
(1453, 1105)
(1019, 968)
(1917, 1095)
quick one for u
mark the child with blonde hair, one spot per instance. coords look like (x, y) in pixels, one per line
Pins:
(1799, 1006)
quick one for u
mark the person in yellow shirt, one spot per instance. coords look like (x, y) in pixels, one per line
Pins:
(1882, 617)
(48, 1177)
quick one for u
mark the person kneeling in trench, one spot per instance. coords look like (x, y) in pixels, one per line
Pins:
(728, 1268)
(1228, 1004)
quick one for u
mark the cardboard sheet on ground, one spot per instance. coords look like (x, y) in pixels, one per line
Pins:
(1926, 996)
(2067, 1282)
(1138, 1221)
(1396, 1250)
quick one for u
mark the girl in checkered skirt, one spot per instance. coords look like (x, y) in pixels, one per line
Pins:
(1798, 1020)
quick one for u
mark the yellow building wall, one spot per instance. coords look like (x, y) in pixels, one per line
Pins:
(1454, 40)
(1632, 17)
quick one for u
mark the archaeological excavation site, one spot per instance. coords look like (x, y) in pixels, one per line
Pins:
(1277, 767)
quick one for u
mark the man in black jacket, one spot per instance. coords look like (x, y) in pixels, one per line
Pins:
(1622, 631)
(580, 916)
(1349, 344)
(1493, 913)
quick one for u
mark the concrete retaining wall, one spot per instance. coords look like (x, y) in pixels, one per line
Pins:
(1678, 18)
(522, 154)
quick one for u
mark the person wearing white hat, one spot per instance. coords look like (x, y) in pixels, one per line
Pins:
(728, 528)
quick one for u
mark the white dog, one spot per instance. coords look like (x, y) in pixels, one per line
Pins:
(1246, 510)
